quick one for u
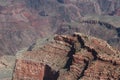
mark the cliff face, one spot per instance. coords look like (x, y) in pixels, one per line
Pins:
(19, 27)
(28, 70)
(109, 7)
(68, 57)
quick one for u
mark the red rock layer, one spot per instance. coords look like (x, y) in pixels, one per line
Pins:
(28, 70)
(75, 57)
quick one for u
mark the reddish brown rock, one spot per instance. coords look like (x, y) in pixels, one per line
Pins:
(26, 69)
(100, 70)
(69, 57)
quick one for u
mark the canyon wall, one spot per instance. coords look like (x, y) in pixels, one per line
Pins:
(22, 22)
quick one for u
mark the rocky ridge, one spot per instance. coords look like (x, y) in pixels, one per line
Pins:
(69, 57)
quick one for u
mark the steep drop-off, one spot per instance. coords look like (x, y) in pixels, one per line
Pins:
(68, 57)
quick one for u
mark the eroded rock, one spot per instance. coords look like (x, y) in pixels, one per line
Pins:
(69, 57)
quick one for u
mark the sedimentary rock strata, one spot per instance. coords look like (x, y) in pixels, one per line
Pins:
(69, 57)
(26, 69)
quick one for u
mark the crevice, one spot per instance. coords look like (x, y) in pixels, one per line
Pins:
(85, 68)
(109, 61)
(118, 32)
(86, 62)
(94, 53)
(70, 55)
(73, 51)
(81, 41)
(50, 74)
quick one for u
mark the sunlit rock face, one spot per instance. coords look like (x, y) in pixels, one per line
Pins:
(28, 70)
(73, 57)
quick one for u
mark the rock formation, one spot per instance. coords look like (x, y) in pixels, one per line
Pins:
(68, 57)
(74, 57)
(28, 70)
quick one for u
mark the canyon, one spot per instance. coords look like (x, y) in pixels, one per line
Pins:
(66, 57)
(22, 22)
(59, 39)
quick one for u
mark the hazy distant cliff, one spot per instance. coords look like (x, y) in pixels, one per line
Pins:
(23, 21)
